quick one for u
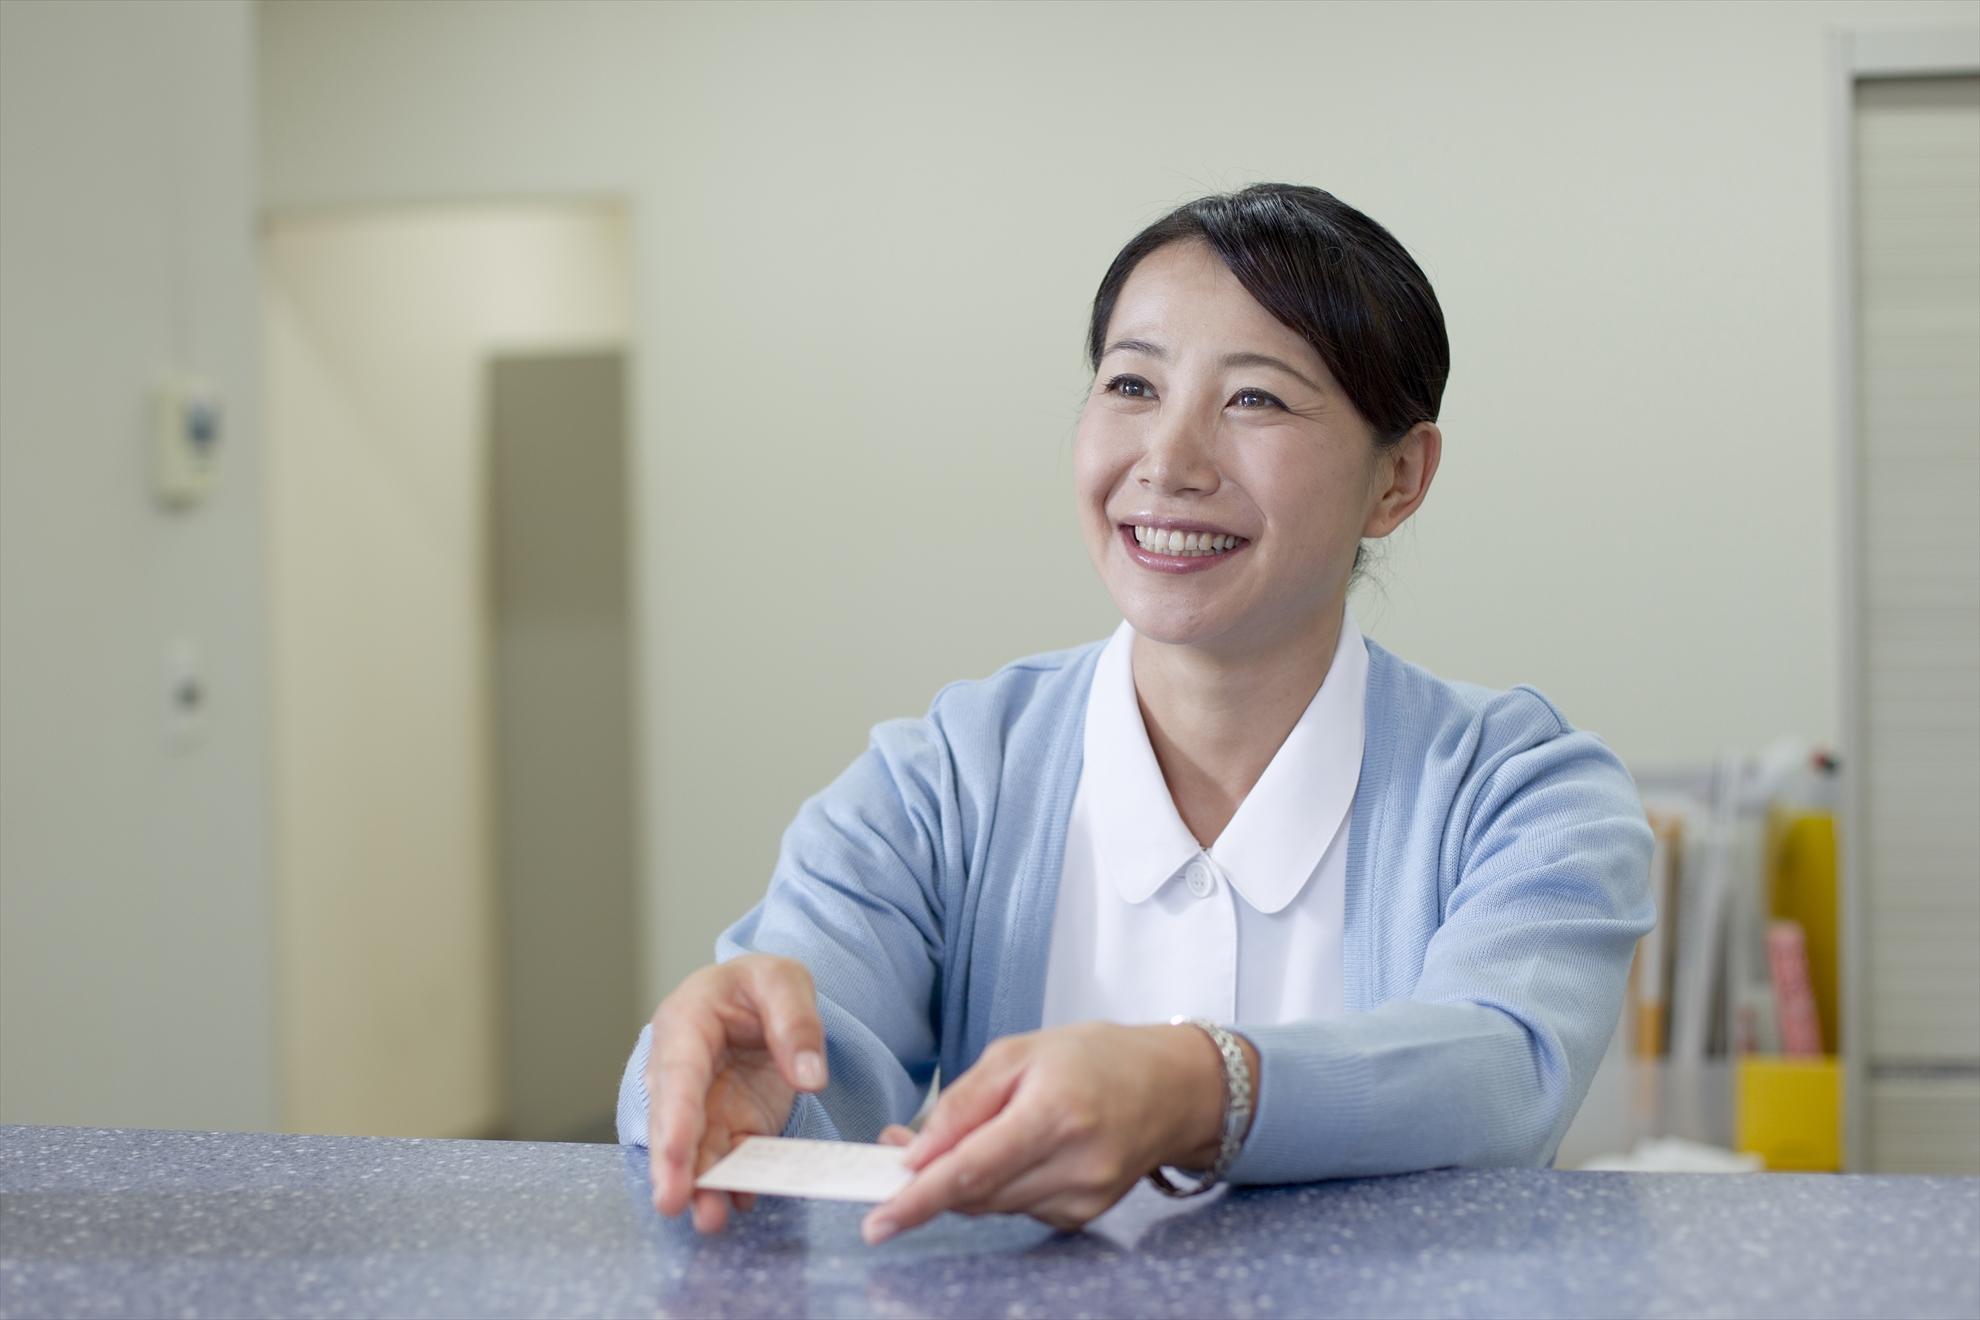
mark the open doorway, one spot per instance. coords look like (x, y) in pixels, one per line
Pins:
(453, 681)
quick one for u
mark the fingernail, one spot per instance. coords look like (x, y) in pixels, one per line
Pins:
(810, 1070)
(912, 1152)
(876, 1231)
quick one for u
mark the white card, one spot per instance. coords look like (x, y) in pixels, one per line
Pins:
(822, 1170)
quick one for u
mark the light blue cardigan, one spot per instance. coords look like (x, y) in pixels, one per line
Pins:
(1497, 883)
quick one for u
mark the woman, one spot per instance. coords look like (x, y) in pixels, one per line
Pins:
(1236, 891)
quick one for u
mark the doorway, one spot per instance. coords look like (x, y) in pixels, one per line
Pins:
(449, 532)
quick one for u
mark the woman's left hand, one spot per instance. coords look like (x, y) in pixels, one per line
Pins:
(1059, 1124)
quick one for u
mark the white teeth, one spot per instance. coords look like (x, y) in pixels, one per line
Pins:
(1185, 544)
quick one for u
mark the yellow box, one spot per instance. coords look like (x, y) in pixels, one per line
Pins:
(1802, 887)
(1788, 1111)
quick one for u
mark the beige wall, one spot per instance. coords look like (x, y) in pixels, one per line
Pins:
(136, 972)
(866, 237)
(379, 326)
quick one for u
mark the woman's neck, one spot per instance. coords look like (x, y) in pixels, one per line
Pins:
(1216, 721)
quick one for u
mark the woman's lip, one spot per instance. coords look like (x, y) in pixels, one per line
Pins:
(1161, 563)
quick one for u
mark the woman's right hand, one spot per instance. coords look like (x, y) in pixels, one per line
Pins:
(731, 1048)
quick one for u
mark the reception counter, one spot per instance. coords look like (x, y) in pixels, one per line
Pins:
(142, 1223)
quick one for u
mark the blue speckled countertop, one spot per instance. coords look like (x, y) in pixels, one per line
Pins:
(138, 1223)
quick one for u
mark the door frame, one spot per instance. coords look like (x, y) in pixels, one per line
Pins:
(1859, 55)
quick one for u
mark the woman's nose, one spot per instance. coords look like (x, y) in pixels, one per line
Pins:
(1177, 458)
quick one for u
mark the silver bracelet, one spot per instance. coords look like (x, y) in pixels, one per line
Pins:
(1237, 1110)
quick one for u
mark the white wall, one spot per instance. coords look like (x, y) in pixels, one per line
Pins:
(867, 235)
(379, 327)
(136, 972)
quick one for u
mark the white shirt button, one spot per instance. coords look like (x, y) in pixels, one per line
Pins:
(1201, 882)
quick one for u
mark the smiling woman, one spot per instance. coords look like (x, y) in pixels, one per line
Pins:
(1234, 891)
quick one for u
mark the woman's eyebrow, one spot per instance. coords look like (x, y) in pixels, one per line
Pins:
(1155, 350)
(1265, 360)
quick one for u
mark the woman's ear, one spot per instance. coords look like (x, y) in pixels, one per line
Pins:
(1408, 465)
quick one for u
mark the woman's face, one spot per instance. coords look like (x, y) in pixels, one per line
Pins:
(1209, 418)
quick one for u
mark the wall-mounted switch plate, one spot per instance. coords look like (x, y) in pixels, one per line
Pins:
(186, 439)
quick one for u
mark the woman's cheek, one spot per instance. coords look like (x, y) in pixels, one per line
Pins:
(1094, 480)
(1090, 467)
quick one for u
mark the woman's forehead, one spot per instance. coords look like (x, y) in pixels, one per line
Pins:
(1182, 298)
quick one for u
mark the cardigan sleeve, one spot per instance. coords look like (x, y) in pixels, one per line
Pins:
(856, 898)
(1487, 1059)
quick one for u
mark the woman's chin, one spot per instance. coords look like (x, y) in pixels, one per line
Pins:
(1172, 627)
(1177, 609)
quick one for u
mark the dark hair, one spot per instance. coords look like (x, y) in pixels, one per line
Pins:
(1329, 273)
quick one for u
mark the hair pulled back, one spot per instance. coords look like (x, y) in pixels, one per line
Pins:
(1330, 274)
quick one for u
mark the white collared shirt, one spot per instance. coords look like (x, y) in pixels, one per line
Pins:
(1149, 924)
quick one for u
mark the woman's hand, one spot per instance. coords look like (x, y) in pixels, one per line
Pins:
(1059, 1124)
(731, 1048)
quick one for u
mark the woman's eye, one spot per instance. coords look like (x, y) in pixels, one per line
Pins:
(1129, 387)
(1255, 399)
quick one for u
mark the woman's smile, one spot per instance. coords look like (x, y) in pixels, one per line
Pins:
(1176, 548)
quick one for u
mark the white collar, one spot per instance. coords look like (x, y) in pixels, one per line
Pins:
(1284, 825)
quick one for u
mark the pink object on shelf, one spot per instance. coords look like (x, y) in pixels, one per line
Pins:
(1794, 998)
